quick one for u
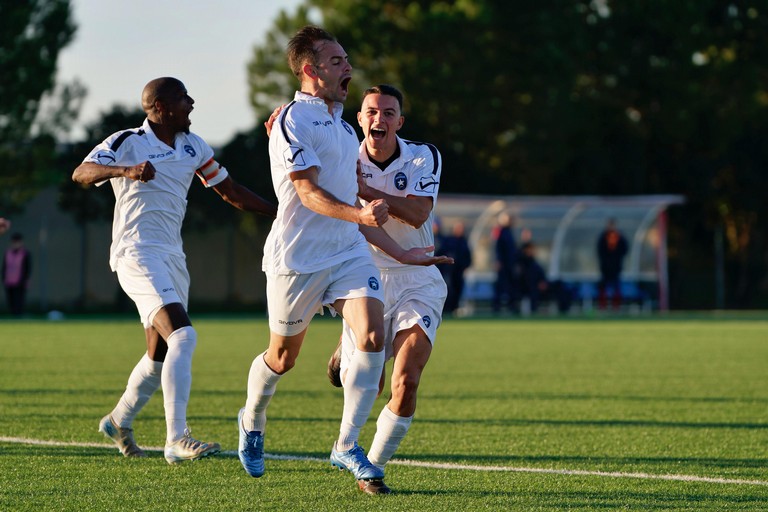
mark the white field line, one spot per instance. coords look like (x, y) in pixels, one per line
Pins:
(436, 465)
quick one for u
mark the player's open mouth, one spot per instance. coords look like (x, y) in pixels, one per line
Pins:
(345, 83)
(377, 133)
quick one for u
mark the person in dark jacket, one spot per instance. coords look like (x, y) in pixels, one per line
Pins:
(457, 247)
(506, 255)
(611, 249)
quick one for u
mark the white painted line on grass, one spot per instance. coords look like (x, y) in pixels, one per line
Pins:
(435, 465)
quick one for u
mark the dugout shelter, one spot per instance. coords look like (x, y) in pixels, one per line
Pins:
(565, 230)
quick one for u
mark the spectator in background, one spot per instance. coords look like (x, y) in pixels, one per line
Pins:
(611, 250)
(456, 246)
(17, 267)
(437, 233)
(5, 225)
(533, 283)
(506, 255)
(531, 278)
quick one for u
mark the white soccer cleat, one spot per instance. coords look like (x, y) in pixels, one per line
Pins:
(189, 448)
(123, 437)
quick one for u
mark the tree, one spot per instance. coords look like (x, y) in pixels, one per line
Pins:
(32, 33)
(584, 97)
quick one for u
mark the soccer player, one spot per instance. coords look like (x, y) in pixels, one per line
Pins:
(151, 169)
(315, 255)
(406, 175)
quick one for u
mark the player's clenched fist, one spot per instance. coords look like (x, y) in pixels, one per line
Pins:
(143, 172)
(375, 213)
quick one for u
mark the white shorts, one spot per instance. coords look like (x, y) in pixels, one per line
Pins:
(411, 297)
(154, 281)
(292, 300)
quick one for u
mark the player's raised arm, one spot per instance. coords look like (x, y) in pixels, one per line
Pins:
(89, 173)
(244, 198)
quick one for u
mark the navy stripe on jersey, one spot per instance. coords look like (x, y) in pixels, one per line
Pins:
(433, 149)
(282, 123)
(119, 140)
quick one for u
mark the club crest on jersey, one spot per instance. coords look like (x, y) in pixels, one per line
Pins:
(190, 150)
(427, 321)
(105, 157)
(347, 127)
(401, 181)
(373, 283)
(294, 155)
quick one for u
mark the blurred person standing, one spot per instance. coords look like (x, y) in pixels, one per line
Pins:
(16, 271)
(611, 249)
(505, 287)
(456, 246)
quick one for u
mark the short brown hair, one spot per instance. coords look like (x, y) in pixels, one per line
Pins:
(301, 47)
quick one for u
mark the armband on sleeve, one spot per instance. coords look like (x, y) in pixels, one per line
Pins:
(211, 173)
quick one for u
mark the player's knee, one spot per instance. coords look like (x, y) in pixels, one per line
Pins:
(280, 362)
(185, 338)
(404, 387)
(372, 341)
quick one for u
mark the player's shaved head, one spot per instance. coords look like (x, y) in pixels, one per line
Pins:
(159, 89)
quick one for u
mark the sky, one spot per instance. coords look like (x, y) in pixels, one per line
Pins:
(120, 46)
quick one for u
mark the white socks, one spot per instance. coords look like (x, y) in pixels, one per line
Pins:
(143, 382)
(361, 385)
(177, 380)
(390, 431)
(262, 382)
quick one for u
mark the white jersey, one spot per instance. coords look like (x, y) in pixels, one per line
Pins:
(416, 172)
(302, 241)
(148, 216)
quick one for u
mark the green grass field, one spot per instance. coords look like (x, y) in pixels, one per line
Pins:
(595, 414)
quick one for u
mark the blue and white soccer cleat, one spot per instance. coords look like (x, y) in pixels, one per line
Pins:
(356, 462)
(250, 448)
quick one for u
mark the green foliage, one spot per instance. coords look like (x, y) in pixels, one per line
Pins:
(585, 97)
(32, 109)
(659, 396)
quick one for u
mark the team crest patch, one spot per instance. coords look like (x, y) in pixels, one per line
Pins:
(294, 155)
(373, 283)
(190, 150)
(427, 321)
(347, 127)
(401, 181)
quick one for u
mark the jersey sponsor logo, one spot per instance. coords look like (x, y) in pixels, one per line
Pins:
(366, 175)
(293, 155)
(105, 157)
(347, 127)
(401, 181)
(290, 322)
(427, 321)
(171, 289)
(190, 150)
(322, 123)
(159, 155)
(373, 283)
(427, 184)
